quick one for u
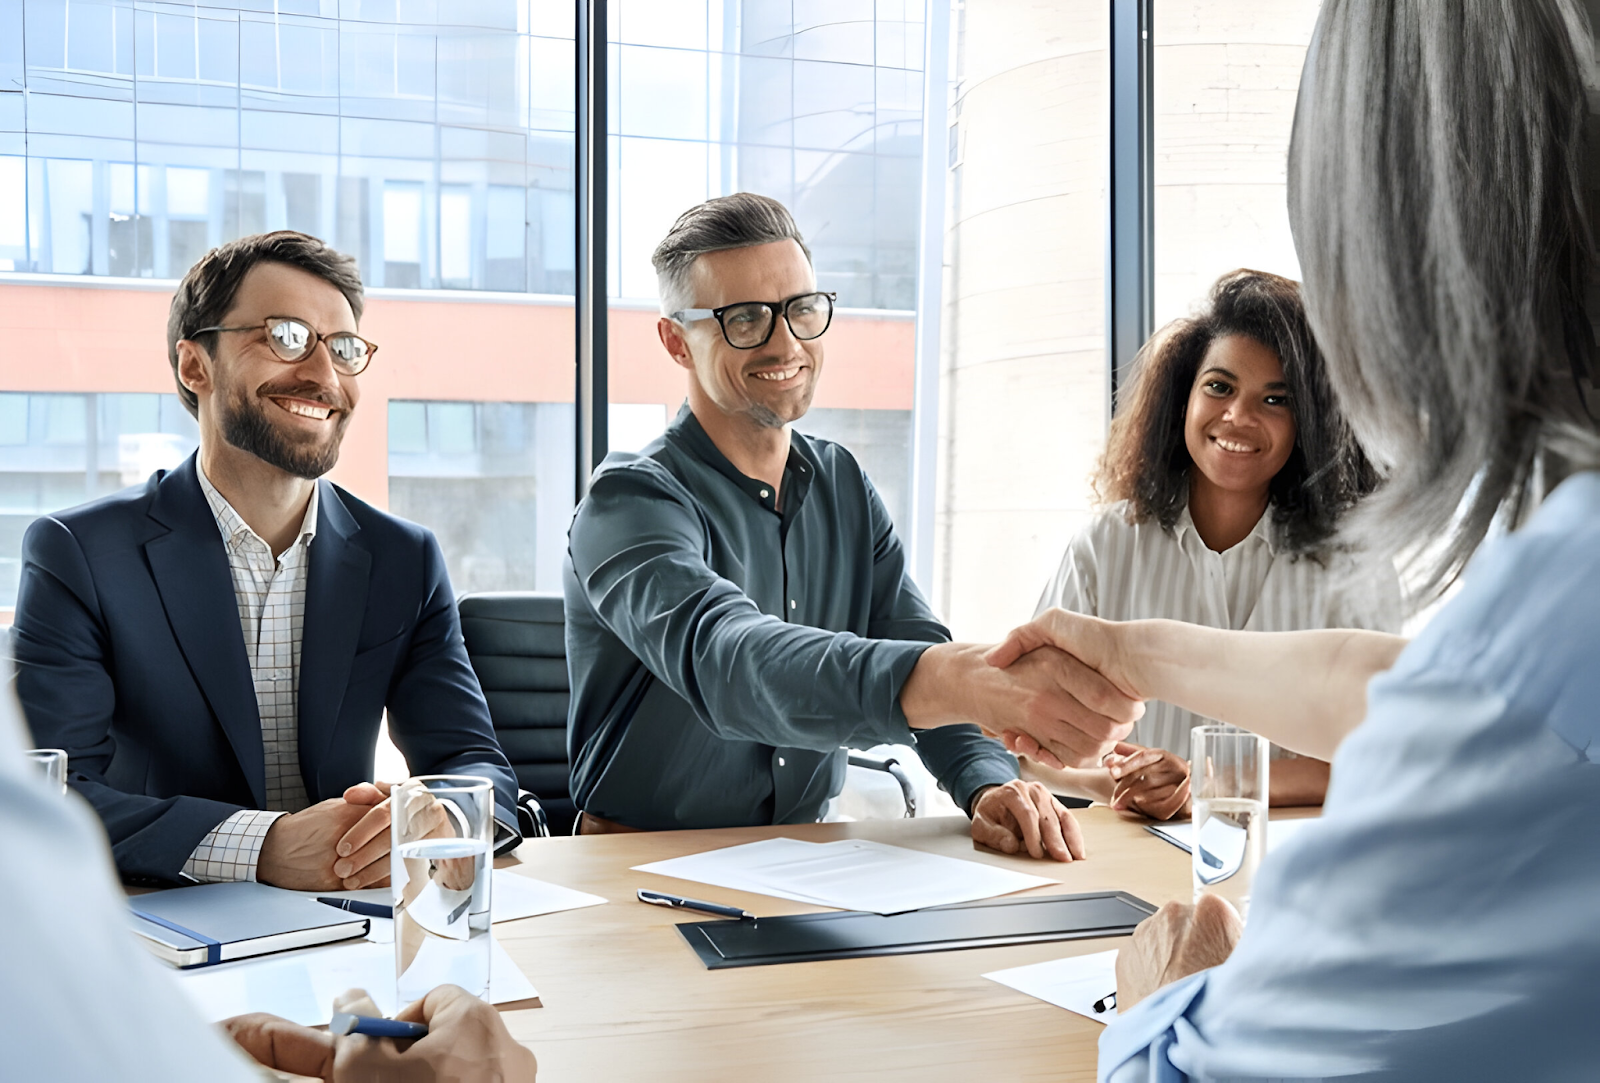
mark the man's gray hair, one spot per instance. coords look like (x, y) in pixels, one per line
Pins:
(1437, 199)
(737, 221)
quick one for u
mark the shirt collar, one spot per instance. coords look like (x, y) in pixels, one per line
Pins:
(1265, 532)
(232, 525)
(799, 470)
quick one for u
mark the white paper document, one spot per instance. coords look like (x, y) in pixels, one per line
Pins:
(1219, 836)
(1074, 984)
(851, 874)
(301, 985)
(513, 896)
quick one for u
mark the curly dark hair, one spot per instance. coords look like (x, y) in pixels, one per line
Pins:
(1146, 461)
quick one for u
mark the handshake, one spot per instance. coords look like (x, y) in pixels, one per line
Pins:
(1062, 689)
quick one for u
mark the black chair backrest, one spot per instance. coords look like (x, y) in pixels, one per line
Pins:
(518, 646)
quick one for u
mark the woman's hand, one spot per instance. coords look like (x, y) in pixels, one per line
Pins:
(1149, 781)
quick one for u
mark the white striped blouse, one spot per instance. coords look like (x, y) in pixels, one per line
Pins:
(1129, 571)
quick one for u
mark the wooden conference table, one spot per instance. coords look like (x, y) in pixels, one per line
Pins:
(625, 998)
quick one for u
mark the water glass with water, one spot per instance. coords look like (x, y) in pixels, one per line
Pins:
(441, 855)
(1228, 781)
(51, 765)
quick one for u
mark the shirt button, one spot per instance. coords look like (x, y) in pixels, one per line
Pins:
(765, 494)
(792, 603)
(780, 761)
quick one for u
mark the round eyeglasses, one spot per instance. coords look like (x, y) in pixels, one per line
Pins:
(291, 339)
(748, 325)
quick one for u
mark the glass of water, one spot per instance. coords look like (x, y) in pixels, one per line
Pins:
(51, 765)
(1228, 781)
(442, 851)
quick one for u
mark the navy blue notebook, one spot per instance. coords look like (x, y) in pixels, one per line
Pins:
(215, 923)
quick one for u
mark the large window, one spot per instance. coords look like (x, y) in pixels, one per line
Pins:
(1226, 76)
(816, 105)
(431, 141)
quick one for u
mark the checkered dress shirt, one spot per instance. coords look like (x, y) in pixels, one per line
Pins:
(271, 595)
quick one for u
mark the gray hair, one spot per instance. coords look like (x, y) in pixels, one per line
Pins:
(741, 220)
(1436, 194)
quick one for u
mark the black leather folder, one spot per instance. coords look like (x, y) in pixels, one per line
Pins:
(809, 938)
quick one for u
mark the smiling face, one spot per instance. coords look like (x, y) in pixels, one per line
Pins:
(1239, 427)
(291, 415)
(767, 387)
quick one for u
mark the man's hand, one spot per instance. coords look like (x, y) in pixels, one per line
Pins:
(1149, 781)
(1025, 816)
(1174, 942)
(334, 844)
(283, 1046)
(466, 1042)
(1045, 692)
(1095, 673)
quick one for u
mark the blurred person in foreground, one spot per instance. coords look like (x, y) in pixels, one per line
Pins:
(739, 610)
(86, 1003)
(216, 648)
(1225, 479)
(1437, 922)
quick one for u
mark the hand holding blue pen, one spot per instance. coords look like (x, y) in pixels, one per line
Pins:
(375, 1027)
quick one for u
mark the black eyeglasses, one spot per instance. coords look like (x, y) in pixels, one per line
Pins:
(748, 325)
(291, 339)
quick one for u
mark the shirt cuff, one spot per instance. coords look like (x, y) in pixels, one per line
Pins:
(1134, 1046)
(231, 850)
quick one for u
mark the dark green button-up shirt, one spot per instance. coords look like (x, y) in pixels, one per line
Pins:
(725, 648)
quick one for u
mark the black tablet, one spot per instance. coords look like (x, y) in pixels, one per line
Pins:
(803, 938)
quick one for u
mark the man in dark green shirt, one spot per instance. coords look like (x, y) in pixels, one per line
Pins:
(738, 608)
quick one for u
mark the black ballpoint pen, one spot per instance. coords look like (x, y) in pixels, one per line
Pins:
(661, 898)
(1106, 1003)
(356, 906)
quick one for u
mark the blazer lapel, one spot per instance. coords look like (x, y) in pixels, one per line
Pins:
(190, 567)
(336, 604)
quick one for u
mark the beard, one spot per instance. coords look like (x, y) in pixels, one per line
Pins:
(246, 426)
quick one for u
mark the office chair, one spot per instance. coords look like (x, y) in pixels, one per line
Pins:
(890, 766)
(516, 641)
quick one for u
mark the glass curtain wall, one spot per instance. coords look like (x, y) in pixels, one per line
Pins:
(818, 105)
(430, 140)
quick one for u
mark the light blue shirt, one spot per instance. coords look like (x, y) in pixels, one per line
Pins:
(1442, 919)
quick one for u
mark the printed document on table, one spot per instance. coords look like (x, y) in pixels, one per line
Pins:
(851, 874)
(300, 985)
(1220, 837)
(1074, 984)
(513, 896)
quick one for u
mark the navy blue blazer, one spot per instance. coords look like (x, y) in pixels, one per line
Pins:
(129, 655)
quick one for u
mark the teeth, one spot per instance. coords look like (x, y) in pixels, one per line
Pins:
(778, 376)
(1229, 445)
(305, 410)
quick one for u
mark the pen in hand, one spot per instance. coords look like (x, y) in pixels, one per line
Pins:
(374, 1027)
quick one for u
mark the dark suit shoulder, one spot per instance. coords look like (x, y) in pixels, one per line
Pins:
(109, 522)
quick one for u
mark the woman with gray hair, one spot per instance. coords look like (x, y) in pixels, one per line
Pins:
(1436, 923)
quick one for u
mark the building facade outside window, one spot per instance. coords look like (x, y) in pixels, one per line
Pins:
(433, 142)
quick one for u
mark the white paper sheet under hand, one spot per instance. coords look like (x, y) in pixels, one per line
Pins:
(1074, 984)
(301, 985)
(1218, 838)
(851, 874)
(513, 896)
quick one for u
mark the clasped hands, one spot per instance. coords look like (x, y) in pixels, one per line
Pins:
(340, 843)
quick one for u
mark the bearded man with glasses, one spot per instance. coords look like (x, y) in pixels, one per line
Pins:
(215, 649)
(738, 607)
